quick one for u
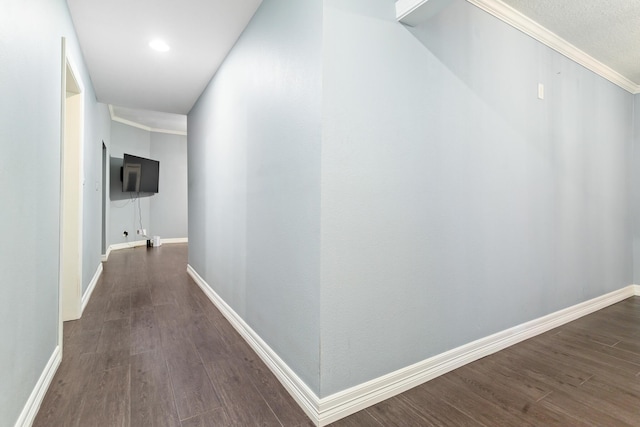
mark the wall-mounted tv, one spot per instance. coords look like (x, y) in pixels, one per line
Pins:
(140, 175)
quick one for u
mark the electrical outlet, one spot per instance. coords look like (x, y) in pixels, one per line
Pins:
(125, 233)
(142, 231)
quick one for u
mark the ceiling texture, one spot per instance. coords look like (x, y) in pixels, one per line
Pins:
(607, 30)
(138, 82)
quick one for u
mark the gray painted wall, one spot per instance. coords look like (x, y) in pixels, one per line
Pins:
(169, 206)
(452, 202)
(635, 187)
(164, 214)
(97, 130)
(127, 210)
(455, 204)
(30, 76)
(254, 180)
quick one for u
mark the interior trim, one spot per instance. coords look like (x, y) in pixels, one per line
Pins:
(30, 410)
(90, 288)
(126, 245)
(408, 10)
(105, 257)
(302, 394)
(347, 402)
(138, 243)
(324, 411)
(174, 240)
(519, 21)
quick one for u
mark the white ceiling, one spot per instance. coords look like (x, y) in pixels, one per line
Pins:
(152, 121)
(126, 73)
(607, 30)
(114, 37)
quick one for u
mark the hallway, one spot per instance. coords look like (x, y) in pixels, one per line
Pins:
(152, 350)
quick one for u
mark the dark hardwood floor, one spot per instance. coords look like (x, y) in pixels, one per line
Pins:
(152, 350)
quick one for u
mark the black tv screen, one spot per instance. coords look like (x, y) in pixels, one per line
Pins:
(140, 175)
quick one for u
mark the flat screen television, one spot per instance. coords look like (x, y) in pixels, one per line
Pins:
(140, 175)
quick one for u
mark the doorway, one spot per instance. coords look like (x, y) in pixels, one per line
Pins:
(105, 183)
(71, 192)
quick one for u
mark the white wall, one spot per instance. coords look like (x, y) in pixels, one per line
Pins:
(455, 204)
(169, 207)
(164, 213)
(126, 209)
(254, 180)
(97, 131)
(445, 202)
(30, 84)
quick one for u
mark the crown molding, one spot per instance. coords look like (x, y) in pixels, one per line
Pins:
(141, 126)
(408, 10)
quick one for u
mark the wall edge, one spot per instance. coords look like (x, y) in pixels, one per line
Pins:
(92, 285)
(302, 394)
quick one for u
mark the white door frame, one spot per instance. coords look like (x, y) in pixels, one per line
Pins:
(71, 191)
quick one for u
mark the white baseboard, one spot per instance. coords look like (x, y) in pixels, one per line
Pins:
(138, 243)
(90, 288)
(352, 400)
(32, 406)
(105, 257)
(175, 240)
(326, 410)
(126, 245)
(306, 398)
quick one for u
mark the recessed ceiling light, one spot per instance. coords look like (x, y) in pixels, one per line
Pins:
(159, 45)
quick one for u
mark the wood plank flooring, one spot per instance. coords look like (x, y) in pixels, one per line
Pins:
(152, 350)
(585, 373)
